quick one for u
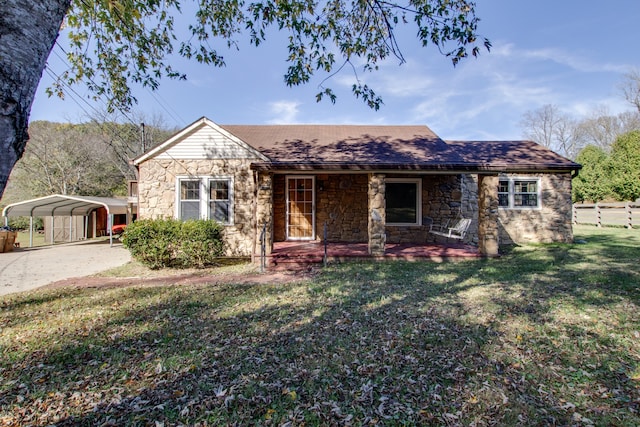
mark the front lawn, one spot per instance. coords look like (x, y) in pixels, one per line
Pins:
(545, 335)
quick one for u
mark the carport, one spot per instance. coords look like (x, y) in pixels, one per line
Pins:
(62, 205)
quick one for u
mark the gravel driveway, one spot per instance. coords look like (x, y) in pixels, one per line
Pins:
(29, 268)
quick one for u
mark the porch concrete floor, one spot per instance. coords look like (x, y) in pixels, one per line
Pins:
(305, 253)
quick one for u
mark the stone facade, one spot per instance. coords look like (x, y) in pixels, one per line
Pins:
(264, 211)
(488, 235)
(341, 203)
(353, 206)
(549, 223)
(376, 226)
(157, 194)
(440, 203)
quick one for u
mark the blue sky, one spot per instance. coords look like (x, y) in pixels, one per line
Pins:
(565, 52)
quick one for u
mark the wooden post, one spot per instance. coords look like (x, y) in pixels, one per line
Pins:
(598, 216)
(627, 207)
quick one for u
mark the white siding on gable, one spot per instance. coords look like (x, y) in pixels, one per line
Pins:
(207, 143)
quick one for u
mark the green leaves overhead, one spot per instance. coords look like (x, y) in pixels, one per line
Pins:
(118, 42)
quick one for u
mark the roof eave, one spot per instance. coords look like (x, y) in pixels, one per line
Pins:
(430, 167)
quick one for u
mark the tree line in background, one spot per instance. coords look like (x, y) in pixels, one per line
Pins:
(89, 159)
(607, 146)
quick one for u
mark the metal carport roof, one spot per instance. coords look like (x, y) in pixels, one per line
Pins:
(59, 204)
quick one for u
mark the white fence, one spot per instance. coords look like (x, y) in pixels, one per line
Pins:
(625, 214)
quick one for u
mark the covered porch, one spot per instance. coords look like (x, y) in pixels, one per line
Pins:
(373, 215)
(309, 253)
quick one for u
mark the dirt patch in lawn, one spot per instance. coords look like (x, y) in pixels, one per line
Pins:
(185, 278)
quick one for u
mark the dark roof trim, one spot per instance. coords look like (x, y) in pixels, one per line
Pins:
(445, 167)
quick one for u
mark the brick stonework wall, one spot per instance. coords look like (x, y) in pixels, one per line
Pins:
(157, 195)
(279, 208)
(377, 215)
(550, 223)
(441, 197)
(341, 201)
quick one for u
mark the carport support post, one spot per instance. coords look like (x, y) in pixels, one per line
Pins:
(52, 226)
(70, 228)
(110, 230)
(95, 224)
(31, 231)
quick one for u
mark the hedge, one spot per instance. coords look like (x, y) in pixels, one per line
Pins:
(159, 243)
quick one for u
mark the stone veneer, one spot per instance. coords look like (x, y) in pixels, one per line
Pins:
(352, 205)
(377, 215)
(440, 203)
(264, 211)
(157, 195)
(341, 203)
(550, 223)
(488, 235)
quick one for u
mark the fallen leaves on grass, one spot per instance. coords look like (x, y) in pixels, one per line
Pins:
(362, 344)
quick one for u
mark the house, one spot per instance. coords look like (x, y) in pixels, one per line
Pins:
(373, 184)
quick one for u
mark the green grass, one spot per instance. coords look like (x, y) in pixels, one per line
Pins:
(23, 239)
(545, 335)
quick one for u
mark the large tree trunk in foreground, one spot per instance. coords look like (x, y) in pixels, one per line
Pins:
(28, 30)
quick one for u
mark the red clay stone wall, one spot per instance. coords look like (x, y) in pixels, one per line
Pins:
(551, 222)
(441, 197)
(341, 202)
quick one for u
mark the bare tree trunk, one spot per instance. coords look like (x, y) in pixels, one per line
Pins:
(28, 30)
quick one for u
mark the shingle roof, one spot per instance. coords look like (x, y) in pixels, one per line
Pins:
(340, 147)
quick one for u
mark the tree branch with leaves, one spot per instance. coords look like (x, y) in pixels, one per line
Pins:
(115, 44)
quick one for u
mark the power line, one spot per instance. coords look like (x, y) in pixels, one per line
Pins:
(177, 119)
(91, 81)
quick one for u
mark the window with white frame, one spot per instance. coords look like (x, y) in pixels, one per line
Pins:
(403, 201)
(205, 197)
(518, 193)
(189, 199)
(220, 200)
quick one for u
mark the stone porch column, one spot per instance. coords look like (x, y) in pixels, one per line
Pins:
(264, 210)
(488, 215)
(377, 217)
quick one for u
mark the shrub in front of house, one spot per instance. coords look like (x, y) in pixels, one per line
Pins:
(159, 243)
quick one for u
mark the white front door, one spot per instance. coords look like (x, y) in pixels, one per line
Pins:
(301, 215)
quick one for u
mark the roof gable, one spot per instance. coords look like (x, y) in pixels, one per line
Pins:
(203, 139)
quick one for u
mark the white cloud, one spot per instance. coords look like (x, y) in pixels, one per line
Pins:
(285, 112)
